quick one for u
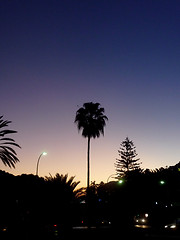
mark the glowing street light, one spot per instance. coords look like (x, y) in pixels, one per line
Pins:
(120, 181)
(162, 182)
(42, 154)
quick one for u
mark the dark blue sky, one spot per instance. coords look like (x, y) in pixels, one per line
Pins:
(56, 55)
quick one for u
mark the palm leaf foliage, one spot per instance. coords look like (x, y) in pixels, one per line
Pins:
(63, 180)
(7, 153)
(91, 120)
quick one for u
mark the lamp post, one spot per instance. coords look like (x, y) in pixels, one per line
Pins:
(111, 176)
(42, 154)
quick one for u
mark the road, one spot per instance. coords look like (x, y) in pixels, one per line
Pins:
(110, 233)
(101, 233)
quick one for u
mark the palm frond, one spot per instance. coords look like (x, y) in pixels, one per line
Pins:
(8, 158)
(5, 132)
(3, 123)
(70, 180)
(7, 139)
(7, 153)
(11, 143)
(8, 149)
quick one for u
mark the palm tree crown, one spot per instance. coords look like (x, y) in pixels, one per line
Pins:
(7, 153)
(91, 120)
(62, 180)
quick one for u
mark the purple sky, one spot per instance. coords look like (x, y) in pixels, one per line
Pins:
(124, 54)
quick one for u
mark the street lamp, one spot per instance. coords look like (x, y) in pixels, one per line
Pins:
(42, 154)
(162, 182)
(121, 181)
(111, 176)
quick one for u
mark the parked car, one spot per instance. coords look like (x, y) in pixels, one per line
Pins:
(174, 225)
(142, 220)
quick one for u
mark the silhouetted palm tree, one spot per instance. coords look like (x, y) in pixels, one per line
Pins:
(91, 120)
(63, 180)
(7, 153)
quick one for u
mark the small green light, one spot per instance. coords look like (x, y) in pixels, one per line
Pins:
(162, 182)
(121, 181)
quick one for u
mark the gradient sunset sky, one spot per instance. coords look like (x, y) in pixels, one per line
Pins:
(56, 55)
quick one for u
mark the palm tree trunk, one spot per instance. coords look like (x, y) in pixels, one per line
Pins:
(88, 164)
(88, 183)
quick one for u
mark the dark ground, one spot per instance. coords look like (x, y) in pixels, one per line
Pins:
(106, 234)
(102, 233)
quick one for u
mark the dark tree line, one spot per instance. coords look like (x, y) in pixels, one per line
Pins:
(30, 202)
(154, 191)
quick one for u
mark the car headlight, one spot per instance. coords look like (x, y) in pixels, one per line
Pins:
(173, 226)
